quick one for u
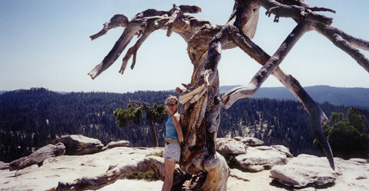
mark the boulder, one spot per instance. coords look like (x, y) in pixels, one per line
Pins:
(353, 174)
(4, 165)
(250, 141)
(67, 168)
(230, 146)
(122, 143)
(261, 158)
(283, 149)
(80, 145)
(38, 156)
(305, 170)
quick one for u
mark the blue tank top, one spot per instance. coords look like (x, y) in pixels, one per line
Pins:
(170, 130)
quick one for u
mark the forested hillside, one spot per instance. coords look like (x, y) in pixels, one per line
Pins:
(32, 118)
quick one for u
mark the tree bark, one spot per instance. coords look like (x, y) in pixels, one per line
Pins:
(153, 133)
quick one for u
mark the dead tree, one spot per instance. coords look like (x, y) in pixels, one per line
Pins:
(200, 100)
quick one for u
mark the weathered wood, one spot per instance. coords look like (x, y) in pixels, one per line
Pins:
(248, 91)
(347, 43)
(296, 9)
(118, 20)
(133, 51)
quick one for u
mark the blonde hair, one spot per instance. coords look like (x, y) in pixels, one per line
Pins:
(171, 97)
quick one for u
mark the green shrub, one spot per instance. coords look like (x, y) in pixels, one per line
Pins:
(158, 154)
(345, 135)
(232, 162)
(149, 175)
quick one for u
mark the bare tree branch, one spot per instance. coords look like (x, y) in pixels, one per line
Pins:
(143, 23)
(118, 20)
(119, 46)
(133, 51)
(248, 91)
(347, 43)
(294, 11)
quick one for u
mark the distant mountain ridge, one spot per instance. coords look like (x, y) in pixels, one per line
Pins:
(358, 97)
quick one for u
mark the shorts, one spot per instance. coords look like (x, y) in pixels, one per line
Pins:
(172, 152)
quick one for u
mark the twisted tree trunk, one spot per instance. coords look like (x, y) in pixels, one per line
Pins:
(201, 103)
(153, 133)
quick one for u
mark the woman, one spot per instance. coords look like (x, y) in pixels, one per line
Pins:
(173, 139)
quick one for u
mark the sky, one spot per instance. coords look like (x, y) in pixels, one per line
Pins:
(45, 43)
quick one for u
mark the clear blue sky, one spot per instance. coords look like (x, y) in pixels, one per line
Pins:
(46, 43)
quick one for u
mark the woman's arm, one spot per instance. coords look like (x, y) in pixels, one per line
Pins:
(178, 127)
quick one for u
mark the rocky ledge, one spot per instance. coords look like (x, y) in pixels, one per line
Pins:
(89, 165)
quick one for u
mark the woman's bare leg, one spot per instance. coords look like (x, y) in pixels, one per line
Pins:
(169, 171)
